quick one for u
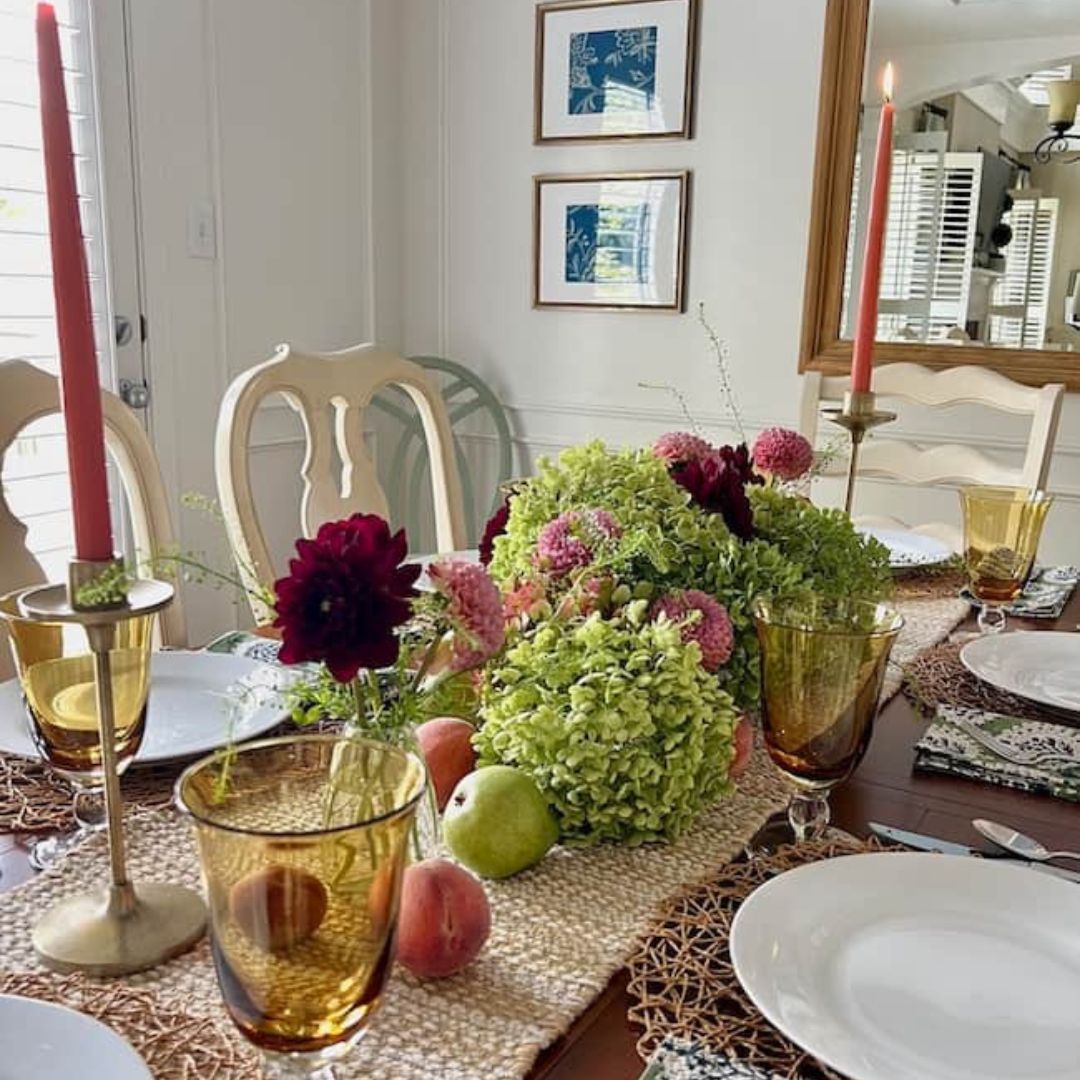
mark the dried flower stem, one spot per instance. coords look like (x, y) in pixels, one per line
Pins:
(721, 350)
(684, 408)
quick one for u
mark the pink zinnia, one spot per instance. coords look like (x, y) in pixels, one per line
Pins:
(526, 600)
(474, 608)
(572, 539)
(783, 453)
(681, 446)
(702, 619)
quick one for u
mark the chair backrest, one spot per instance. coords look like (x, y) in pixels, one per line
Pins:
(314, 385)
(27, 394)
(469, 400)
(956, 463)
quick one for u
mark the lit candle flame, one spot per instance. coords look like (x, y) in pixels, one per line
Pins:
(887, 82)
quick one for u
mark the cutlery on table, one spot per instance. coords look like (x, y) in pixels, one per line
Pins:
(1019, 844)
(921, 842)
(999, 748)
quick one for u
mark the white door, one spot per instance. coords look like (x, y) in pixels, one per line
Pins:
(92, 43)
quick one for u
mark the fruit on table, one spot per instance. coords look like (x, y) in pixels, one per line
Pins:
(444, 920)
(278, 907)
(497, 822)
(446, 743)
(743, 747)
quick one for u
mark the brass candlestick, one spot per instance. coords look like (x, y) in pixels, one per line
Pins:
(123, 927)
(857, 415)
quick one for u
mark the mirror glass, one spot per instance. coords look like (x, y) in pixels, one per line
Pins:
(983, 239)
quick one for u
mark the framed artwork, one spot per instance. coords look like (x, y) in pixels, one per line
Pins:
(614, 69)
(613, 242)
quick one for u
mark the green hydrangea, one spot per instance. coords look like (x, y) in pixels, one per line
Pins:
(616, 720)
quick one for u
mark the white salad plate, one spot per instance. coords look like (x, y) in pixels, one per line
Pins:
(42, 1041)
(910, 550)
(918, 967)
(1042, 666)
(198, 702)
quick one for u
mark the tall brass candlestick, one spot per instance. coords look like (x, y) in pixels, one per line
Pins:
(124, 927)
(858, 415)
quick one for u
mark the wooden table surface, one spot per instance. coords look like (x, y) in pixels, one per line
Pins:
(601, 1044)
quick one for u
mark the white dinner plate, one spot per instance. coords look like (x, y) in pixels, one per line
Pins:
(42, 1041)
(910, 550)
(918, 967)
(1040, 665)
(198, 702)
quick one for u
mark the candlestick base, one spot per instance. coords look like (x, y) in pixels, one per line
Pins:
(857, 415)
(122, 928)
(93, 933)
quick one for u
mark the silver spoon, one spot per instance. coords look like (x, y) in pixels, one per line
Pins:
(1018, 844)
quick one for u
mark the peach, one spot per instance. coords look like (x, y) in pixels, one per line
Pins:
(743, 742)
(278, 907)
(446, 743)
(444, 920)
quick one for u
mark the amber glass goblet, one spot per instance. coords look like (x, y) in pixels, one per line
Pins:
(823, 664)
(1002, 529)
(56, 675)
(303, 841)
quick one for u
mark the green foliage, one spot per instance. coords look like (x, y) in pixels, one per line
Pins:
(835, 560)
(108, 589)
(625, 733)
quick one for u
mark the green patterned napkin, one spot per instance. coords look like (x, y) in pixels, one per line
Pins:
(1051, 752)
(1044, 596)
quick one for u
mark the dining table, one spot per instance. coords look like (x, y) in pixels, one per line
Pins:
(602, 1043)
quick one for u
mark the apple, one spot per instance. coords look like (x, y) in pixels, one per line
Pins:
(743, 746)
(444, 919)
(446, 743)
(497, 822)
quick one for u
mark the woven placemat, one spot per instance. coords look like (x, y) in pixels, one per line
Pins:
(174, 1044)
(937, 677)
(932, 583)
(682, 980)
(926, 623)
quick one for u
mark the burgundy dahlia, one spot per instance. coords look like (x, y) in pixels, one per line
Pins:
(496, 526)
(718, 483)
(346, 593)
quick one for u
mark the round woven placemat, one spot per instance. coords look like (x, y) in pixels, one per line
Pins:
(932, 583)
(681, 976)
(937, 677)
(174, 1044)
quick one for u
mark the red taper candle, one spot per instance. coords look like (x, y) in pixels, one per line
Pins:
(80, 391)
(862, 354)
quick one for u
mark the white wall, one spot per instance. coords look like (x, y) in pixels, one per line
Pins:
(465, 209)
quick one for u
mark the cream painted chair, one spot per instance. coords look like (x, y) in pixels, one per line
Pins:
(27, 394)
(314, 384)
(954, 463)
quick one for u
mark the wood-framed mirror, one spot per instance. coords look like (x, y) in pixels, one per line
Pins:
(982, 252)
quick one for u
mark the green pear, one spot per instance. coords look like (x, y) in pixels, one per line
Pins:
(497, 822)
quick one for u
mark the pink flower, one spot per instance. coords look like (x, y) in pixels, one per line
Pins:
(572, 539)
(784, 453)
(702, 619)
(592, 594)
(474, 608)
(526, 600)
(680, 446)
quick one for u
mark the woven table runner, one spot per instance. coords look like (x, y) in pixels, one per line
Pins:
(683, 983)
(560, 931)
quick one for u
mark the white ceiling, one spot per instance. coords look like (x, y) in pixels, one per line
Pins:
(936, 22)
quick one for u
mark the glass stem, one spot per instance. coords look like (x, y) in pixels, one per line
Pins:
(991, 619)
(89, 809)
(808, 813)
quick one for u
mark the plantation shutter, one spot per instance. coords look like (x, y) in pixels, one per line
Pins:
(929, 240)
(1019, 309)
(35, 469)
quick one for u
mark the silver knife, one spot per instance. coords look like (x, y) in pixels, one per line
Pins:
(921, 842)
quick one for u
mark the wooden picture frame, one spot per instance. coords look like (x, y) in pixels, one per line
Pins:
(677, 69)
(821, 348)
(658, 206)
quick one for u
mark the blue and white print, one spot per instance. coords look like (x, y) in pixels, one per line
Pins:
(612, 71)
(608, 243)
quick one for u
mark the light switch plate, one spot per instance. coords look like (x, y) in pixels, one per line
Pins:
(202, 237)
